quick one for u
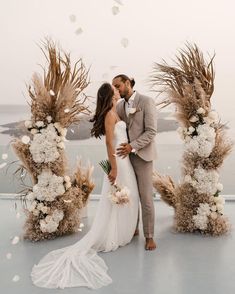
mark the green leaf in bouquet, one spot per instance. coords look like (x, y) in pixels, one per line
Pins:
(106, 166)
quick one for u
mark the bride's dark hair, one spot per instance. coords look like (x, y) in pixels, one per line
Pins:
(103, 105)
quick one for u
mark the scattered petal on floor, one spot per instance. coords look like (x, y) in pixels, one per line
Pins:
(125, 42)
(16, 278)
(25, 139)
(79, 31)
(72, 18)
(9, 255)
(15, 240)
(115, 10)
(3, 164)
(81, 225)
(4, 156)
(79, 230)
(119, 2)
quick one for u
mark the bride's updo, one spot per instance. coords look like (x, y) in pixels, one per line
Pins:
(103, 105)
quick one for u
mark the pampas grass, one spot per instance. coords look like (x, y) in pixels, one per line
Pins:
(57, 99)
(189, 85)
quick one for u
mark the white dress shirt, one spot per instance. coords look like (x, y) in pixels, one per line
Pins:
(129, 103)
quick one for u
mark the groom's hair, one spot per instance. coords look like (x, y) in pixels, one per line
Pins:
(125, 78)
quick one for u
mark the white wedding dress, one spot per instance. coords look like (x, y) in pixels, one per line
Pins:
(113, 226)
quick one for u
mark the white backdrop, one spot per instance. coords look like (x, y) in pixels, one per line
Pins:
(155, 30)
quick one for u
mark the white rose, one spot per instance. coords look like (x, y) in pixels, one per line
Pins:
(193, 118)
(34, 131)
(49, 118)
(219, 187)
(25, 139)
(39, 123)
(213, 115)
(28, 124)
(201, 110)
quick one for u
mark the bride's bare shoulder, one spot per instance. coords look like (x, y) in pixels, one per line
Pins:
(111, 117)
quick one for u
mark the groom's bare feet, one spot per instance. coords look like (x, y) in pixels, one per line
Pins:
(150, 244)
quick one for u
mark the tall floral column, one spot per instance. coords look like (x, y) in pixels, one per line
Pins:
(55, 199)
(197, 200)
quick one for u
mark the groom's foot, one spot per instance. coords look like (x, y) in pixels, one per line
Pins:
(150, 244)
(136, 232)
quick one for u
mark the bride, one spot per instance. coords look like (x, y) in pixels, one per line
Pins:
(113, 226)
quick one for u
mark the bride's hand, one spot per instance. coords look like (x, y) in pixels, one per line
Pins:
(112, 176)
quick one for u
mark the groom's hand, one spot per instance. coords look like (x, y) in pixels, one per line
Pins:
(124, 150)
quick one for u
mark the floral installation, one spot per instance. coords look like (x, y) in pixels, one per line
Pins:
(118, 195)
(197, 201)
(55, 199)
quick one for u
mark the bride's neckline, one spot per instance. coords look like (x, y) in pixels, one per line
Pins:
(119, 122)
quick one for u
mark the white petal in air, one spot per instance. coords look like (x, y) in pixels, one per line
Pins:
(67, 110)
(15, 240)
(125, 42)
(79, 31)
(72, 18)
(3, 164)
(16, 278)
(119, 2)
(72, 131)
(9, 255)
(25, 139)
(115, 10)
(52, 93)
(81, 225)
(4, 156)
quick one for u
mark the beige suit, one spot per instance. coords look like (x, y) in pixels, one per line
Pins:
(141, 130)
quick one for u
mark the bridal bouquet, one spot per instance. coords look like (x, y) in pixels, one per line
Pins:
(117, 194)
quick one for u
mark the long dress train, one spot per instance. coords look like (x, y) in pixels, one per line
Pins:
(113, 226)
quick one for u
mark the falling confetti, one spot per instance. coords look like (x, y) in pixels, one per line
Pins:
(79, 31)
(72, 18)
(125, 42)
(16, 278)
(81, 225)
(112, 67)
(4, 156)
(119, 2)
(52, 93)
(3, 164)
(25, 139)
(67, 110)
(115, 10)
(15, 240)
(9, 255)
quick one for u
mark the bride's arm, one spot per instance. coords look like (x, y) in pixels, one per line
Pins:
(109, 123)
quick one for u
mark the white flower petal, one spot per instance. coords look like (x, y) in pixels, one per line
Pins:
(81, 225)
(72, 131)
(52, 93)
(4, 156)
(79, 230)
(115, 10)
(124, 42)
(3, 164)
(25, 139)
(15, 240)
(72, 18)
(67, 110)
(79, 31)
(16, 278)
(8, 255)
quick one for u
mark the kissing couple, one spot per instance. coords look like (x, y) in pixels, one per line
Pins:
(127, 119)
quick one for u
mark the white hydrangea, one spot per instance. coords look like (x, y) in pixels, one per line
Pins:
(51, 222)
(49, 186)
(39, 124)
(44, 145)
(204, 181)
(201, 218)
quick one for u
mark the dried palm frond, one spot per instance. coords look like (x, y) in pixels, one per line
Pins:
(191, 77)
(165, 187)
(59, 93)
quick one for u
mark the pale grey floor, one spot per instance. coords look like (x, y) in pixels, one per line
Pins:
(182, 264)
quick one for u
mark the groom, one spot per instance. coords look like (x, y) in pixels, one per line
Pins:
(139, 113)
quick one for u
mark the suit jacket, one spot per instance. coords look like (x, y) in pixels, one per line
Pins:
(141, 125)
